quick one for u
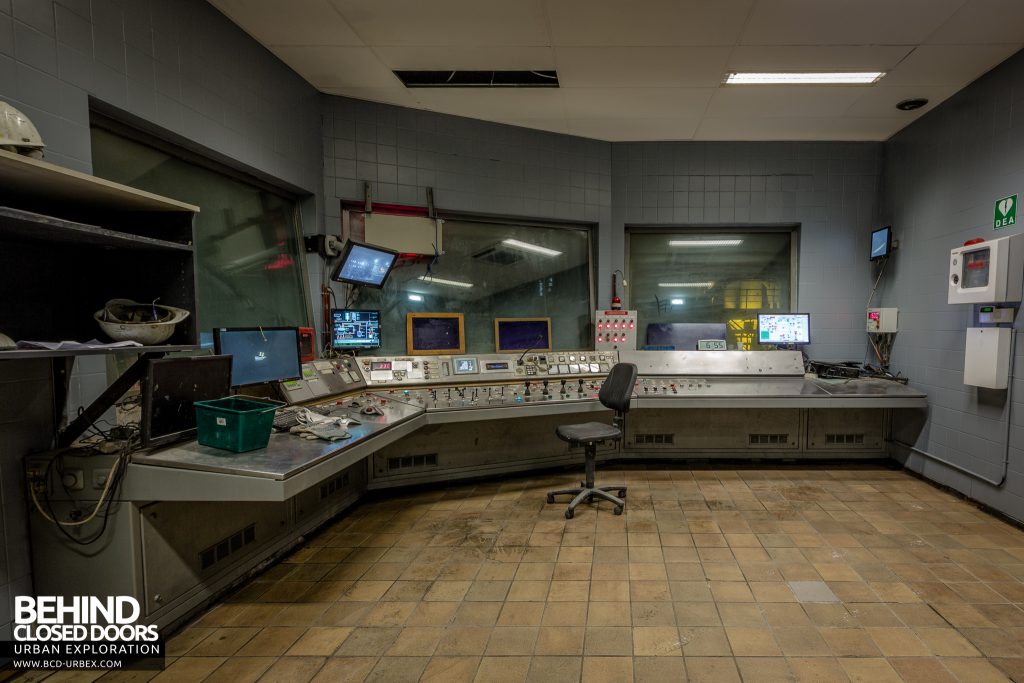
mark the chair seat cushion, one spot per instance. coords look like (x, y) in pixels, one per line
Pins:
(587, 431)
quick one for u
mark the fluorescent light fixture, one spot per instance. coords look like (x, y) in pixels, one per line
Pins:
(704, 243)
(805, 78)
(440, 281)
(535, 248)
(677, 302)
(690, 285)
(415, 297)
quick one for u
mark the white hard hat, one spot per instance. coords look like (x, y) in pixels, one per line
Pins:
(17, 134)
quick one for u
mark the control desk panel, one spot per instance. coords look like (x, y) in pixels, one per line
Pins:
(384, 371)
(322, 378)
(527, 392)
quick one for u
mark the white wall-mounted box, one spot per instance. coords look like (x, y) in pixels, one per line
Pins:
(987, 357)
(882, 320)
(404, 234)
(987, 272)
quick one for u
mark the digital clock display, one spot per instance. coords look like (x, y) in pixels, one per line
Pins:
(380, 365)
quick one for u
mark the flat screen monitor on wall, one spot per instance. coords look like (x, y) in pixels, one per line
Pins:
(881, 243)
(364, 264)
(351, 329)
(260, 354)
(170, 388)
(520, 334)
(784, 328)
(435, 333)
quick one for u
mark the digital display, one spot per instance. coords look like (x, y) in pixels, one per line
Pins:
(362, 264)
(355, 329)
(881, 243)
(465, 366)
(171, 387)
(784, 328)
(520, 334)
(380, 365)
(260, 355)
(496, 366)
(435, 333)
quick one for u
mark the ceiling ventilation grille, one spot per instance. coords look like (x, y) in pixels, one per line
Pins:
(499, 255)
(478, 79)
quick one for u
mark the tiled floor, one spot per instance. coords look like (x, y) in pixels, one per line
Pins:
(861, 574)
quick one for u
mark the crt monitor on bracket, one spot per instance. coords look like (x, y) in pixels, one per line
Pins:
(260, 354)
(170, 388)
(364, 264)
(433, 334)
(520, 334)
(881, 243)
(351, 329)
(784, 328)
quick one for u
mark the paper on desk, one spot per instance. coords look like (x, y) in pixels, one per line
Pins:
(76, 346)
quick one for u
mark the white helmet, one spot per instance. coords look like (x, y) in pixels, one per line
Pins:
(17, 134)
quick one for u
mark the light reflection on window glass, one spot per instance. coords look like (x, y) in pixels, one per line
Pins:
(248, 259)
(510, 270)
(679, 280)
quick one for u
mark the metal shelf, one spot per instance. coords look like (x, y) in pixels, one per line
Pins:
(26, 354)
(25, 226)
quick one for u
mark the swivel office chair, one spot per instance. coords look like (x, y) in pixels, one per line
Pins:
(616, 393)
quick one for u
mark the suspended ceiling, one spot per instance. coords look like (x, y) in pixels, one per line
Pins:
(648, 69)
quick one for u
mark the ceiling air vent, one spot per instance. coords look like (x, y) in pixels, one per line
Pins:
(499, 255)
(478, 79)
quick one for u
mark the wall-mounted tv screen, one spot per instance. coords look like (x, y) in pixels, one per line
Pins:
(435, 333)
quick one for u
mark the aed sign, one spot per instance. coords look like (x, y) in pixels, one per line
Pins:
(1006, 212)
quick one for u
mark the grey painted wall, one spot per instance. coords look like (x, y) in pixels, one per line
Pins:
(830, 189)
(942, 177)
(179, 65)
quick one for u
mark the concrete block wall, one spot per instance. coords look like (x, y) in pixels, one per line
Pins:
(942, 177)
(830, 189)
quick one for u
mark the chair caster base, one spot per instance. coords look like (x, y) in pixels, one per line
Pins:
(569, 514)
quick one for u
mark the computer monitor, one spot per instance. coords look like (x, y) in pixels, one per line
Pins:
(520, 334)
(260, 354)
(351, 329)
(363, 264)
(784, 328)
(881, 243)
(434, 334)
(170, 388)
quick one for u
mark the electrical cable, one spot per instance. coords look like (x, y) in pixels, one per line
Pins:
(1006, 435)
(877, 280)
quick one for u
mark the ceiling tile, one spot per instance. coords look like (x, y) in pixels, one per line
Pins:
(497, 104)
(794, 101)
(401, 95)
(557, 125)
(634, 130)
(817, 57)
(881, 100)
(646, 22)
(641, 66)
(845, 22)
(472, 58)
(954, 65)
(983, 22)
(787, 128)
(643, 103)
(447, 22)
(338, 67)
(303, 22)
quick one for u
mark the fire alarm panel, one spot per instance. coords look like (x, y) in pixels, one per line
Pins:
(615, 329)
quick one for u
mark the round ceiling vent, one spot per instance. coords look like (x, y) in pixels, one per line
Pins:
(912, 104)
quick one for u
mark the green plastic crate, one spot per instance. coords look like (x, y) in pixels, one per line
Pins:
(234, 423)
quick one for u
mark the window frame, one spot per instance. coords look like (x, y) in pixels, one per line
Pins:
(116, 122)
(590, 228)
(709, 230)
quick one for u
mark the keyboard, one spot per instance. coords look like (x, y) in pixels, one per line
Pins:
(286, 418)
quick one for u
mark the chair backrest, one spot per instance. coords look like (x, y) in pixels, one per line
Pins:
(617, 389)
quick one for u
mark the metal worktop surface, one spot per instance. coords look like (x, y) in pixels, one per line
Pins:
(286, 455)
